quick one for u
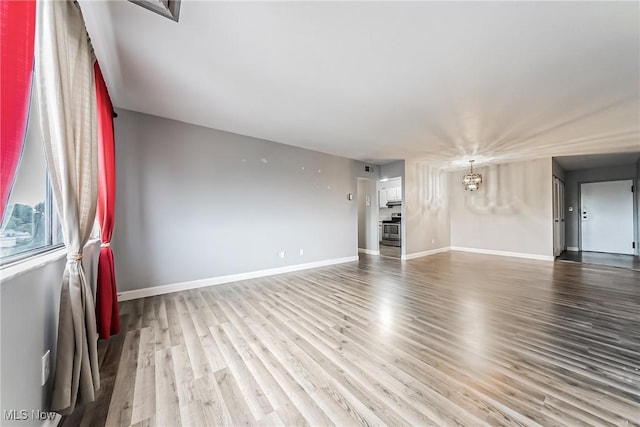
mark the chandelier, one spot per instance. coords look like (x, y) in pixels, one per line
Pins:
(472, 180)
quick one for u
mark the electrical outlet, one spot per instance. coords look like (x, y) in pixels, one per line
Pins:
(46, 367)
(301, 252)
(281, 254)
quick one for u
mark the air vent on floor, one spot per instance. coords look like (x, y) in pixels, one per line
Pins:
(167, 8)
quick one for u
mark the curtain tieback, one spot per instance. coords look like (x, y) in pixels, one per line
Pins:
(105, 245)
(74, 257)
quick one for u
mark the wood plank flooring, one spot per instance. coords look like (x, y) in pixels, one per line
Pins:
(600, 258)
(390, 251)
(450, 339)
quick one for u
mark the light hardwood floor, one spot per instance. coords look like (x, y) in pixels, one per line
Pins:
(599, 258)
(450, 339)
(390, 251)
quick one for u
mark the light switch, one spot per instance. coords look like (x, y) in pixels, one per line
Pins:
(570, 208)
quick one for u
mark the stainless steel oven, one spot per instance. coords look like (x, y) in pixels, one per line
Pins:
(391, 230)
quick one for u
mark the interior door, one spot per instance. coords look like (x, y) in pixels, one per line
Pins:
(606, 217)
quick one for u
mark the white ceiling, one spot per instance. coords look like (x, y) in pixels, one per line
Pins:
(385, 80)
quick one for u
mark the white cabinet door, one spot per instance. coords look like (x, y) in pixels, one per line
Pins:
(382, 197)
(393, 195)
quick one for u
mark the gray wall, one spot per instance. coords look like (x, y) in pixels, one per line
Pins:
(195, 203)
(28, 322)
(426, 208)
(393, 170)
(367, 215)
(511, 212)
(572, 194)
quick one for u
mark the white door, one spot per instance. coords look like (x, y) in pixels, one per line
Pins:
(607, 217)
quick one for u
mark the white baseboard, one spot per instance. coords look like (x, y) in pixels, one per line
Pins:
(573, 249)
(504, 253)
(368, 251)
(194, 284)
(425, 253)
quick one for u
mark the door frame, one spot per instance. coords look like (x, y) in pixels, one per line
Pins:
(634, 213)
(403, 226)
(562, 198)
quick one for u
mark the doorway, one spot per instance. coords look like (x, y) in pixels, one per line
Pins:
(606, 217)
(390, 217)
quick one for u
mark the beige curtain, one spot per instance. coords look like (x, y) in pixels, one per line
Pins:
(66, 89)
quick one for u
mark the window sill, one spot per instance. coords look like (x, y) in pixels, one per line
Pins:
(19, 268)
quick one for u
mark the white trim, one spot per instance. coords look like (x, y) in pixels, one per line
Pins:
(11, 271)
(504, 253)
(425, 253)
(573, 249)
(368, 251)
(194, 284)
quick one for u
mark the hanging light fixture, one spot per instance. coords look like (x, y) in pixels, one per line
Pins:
(472, 180)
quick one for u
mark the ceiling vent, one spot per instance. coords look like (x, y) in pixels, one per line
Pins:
(167, 8)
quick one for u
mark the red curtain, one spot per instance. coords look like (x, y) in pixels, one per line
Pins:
(107, 315)
(17, 31)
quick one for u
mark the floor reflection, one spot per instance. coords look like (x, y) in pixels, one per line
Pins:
(390, 251)
(600, 258)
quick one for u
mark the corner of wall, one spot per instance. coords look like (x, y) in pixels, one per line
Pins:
(29, 310)
(427, 213)
(273, 198)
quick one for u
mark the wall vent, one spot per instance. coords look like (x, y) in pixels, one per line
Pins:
(167, 8)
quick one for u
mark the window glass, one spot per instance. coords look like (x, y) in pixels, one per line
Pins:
(30, 223)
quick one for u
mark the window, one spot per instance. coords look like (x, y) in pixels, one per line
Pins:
(30, 224)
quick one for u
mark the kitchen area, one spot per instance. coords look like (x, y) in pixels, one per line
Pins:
(390, 217)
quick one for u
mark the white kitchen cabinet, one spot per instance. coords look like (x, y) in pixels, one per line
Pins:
(394, 194)
(382, 197)
(389, 191)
